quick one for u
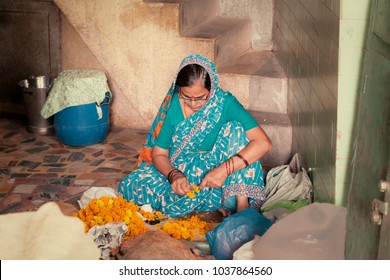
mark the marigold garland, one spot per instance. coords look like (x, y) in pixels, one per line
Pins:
(186, 228)
(156, 216)
(193, 192)
(100, 211)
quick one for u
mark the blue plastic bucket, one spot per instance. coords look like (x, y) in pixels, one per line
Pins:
(80, 126)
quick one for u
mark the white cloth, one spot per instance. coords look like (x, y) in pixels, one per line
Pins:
(95, 192)
(46, 234)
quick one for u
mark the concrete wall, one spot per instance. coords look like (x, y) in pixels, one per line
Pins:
(136, 44)
(320, 46)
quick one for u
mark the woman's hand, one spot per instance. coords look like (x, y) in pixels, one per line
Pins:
(215, 178)
(181, 185)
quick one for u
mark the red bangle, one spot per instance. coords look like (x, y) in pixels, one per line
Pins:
(243, 159)
(226, 167)
(172, 174)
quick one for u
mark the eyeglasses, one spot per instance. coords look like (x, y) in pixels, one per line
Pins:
(188, 99)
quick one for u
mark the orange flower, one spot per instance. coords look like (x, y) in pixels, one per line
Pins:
(186, 228)
(107, 210)
(156, 216)
(195, 189)
(191, 194)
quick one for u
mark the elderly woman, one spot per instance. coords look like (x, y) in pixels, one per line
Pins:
(202, 136)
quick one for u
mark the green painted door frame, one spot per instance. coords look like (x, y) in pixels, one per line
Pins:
(372, 145)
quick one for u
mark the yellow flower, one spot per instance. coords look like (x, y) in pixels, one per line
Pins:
(186, 228)
(156, 216)
(107, 210)
(195, 189)
(191, 194)
(159, 215)
(128, 213)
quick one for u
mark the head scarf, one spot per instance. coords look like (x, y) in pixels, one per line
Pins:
(210, 111)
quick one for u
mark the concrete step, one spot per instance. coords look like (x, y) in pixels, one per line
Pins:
(232, 36)
(257, 80)
(279, 130)
(254, 77)
(164, 1)
(231, 45)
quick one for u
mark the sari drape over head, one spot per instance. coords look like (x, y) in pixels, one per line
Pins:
(146, 185)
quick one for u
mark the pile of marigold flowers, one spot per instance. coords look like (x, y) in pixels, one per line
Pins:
(151, 217)
(186, 229)
(100, 211)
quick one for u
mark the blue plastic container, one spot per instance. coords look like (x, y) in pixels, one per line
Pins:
(80, 126)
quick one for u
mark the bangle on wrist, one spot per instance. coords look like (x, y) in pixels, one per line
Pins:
(229, 165)
(172, 175)
(243, 159)
(226, 167)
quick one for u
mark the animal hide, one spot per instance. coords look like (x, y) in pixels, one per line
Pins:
(157, 245)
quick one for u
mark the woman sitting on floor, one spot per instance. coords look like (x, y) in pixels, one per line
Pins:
(201, 136)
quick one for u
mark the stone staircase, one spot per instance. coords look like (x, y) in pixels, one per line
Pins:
(254, 76)
(226, 31)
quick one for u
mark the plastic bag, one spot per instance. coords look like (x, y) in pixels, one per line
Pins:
(287, 182)
(313, 232)
(108, 237)
(235, 231)
(95, 192)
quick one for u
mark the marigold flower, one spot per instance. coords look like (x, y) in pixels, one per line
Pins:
(186, 229)
(107, 210)
(196, 188)
(155, 216)
(192, 193)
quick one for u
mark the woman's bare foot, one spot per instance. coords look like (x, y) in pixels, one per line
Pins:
(224, 212)
(242, 203)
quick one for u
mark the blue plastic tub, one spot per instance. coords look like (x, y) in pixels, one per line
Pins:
(80, 126)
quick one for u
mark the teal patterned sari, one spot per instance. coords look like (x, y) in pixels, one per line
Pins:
(146, 185)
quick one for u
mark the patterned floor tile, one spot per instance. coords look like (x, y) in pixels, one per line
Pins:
(35, 169)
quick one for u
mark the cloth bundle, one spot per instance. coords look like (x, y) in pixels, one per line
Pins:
(76, 87)
(287, 183)
(46, 234)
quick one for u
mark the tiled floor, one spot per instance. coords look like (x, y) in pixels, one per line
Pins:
(35, 169)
